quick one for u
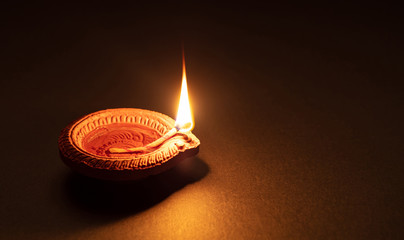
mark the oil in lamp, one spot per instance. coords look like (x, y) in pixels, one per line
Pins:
(129, 143)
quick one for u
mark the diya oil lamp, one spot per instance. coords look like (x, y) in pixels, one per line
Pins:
(129, 143)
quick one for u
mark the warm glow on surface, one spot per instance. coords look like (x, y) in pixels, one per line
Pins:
(184, 121)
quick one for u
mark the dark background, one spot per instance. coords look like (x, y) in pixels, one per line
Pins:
(299, 110)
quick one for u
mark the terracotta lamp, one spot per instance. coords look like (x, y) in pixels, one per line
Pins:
(128, 143)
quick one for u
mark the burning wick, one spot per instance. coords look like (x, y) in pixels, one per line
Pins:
(174, 131)
(183, 123)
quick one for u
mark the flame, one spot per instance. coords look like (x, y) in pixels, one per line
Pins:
(184, 121)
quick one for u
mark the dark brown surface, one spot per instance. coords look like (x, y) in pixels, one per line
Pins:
(299, 111)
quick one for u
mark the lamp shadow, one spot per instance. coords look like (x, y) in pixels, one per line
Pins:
(126, 198)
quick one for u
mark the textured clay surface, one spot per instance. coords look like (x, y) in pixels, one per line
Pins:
(118, 135)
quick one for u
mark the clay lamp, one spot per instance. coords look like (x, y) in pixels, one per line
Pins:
(128, 143)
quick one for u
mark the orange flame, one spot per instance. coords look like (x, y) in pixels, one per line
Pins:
(184, 121)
